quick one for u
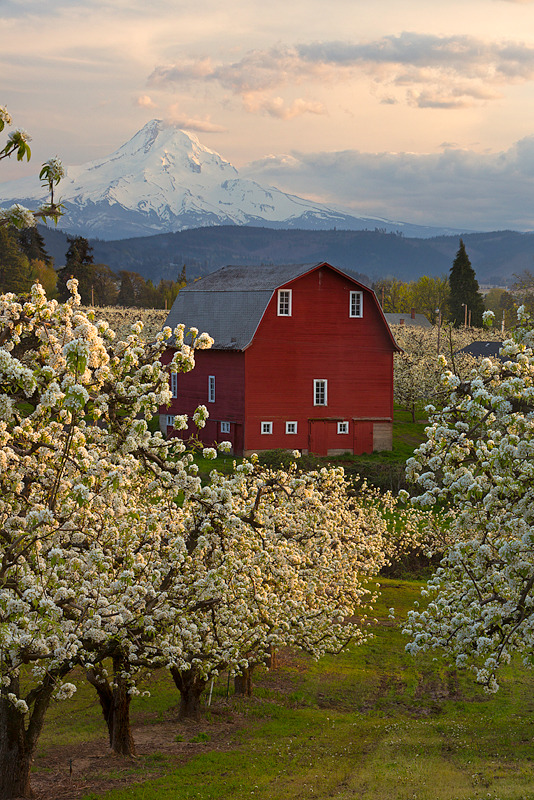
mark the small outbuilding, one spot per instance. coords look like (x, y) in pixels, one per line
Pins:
(409, 319)
(302, 360)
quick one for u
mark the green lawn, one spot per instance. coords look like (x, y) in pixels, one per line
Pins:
(370, 723)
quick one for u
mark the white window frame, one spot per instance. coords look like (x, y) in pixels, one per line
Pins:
(173, 382)
(320, 392)
(285, 302)
(266, 427)
(343, 427)
(211, 388)
(292, 427)
(356, 304)
(170, 420)
(225, 427)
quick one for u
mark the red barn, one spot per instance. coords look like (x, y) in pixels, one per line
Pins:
(302, 360)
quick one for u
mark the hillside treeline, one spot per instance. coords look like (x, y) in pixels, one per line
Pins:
(24, 259)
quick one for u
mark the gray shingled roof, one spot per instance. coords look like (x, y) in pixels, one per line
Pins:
(483, 350)
(419, 319)
(250, 279)
(230, 303)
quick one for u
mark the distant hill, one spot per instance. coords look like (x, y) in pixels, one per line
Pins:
(495, 256)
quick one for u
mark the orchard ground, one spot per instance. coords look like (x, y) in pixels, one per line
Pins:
(371, 723)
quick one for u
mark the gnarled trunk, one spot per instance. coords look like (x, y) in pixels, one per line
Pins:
(190, 686)
(115, 703)
(15, 756)
(18, 740)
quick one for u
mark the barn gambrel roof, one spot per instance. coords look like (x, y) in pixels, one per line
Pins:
(230, 303)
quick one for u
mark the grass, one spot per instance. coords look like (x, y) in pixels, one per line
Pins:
(385, 469)
(370, 723)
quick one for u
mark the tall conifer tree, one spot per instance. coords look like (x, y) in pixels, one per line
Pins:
(464, 291)
(78, 264)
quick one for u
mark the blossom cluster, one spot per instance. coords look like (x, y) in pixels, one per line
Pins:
(418, 369)
(111, 546)
(478, 465)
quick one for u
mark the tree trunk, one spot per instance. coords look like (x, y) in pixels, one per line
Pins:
(115, 703)
(190, 686)
(272, 660)
(15, 756)
(243, 682)
(18, 741)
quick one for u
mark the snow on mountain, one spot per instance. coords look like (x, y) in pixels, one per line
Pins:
(163, 179)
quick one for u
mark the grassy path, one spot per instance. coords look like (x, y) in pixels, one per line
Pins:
(369, 723)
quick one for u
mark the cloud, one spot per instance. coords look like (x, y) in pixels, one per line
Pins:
(432, 71)
(276, 106)
(180, 120)
(144, 101)
(457, 187)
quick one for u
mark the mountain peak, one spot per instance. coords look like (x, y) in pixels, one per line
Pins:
(164, 179)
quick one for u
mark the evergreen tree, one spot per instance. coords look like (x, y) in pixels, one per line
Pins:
(79, 261)
(464, 291)
(33, 246)
(79, 252)
(126, 295)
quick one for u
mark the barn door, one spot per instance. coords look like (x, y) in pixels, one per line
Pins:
(363, 437)
(318, 437)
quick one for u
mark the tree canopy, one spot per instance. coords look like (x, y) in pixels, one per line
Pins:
(112, 548)
(478, 462)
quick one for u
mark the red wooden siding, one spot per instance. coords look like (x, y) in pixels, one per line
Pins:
(228, 369)
(318, 341)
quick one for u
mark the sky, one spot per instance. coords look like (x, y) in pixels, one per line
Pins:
(415, 110)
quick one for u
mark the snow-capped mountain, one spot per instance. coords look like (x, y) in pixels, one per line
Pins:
(163, 179)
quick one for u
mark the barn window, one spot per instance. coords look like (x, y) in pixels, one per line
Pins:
(342, 427)
(174, 384)
(356, 304)
(211, 388)
(170, 421)
(225, 427)
(284, 302)
(320, 392)
(266, 427)
(291, 427)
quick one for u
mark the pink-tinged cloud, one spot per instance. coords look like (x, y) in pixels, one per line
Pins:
(443, 71)
(144, 101)
(277, 107)
(180, 120)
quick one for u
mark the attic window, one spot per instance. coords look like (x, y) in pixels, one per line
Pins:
(211, 388)
(174, 384)
(284, 302)
(356, 304)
